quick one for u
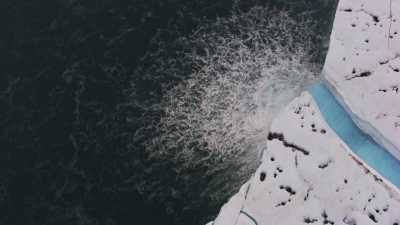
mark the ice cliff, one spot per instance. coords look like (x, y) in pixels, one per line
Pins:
(309, 174)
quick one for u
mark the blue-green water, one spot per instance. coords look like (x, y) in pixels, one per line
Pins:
(144, 112)
(360, 143)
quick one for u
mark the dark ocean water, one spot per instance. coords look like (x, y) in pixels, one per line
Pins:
(140, 111)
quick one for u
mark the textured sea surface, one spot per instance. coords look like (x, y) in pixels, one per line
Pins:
(144, 112)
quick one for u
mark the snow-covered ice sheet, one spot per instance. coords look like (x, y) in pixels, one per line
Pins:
(363, 67)
(302, 181)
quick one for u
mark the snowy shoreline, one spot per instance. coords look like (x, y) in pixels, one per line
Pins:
(308, 173)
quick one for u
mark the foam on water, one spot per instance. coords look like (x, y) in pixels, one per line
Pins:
(230, 78)
(246, 68)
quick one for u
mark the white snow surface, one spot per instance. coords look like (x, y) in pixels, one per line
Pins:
(363, 67)
(308, 175)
